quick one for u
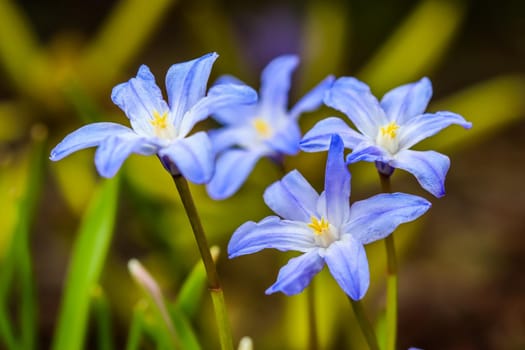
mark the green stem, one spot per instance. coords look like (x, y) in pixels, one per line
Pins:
(391, 282)
(364, 323)
(214, 285)
(136, 327)
(102, 316)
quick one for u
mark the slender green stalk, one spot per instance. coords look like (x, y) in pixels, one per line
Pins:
(391, 294)
(364, 323)
(135, 329)
(214, 285)
(313, 337)
(221, 316)
(391, 282)
(103, 319)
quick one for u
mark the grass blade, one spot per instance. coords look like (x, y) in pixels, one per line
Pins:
(18, 259)
(89, 253)
(102, 316)
(136, 327)
(108, 53)
(188, 339)
(192, 290)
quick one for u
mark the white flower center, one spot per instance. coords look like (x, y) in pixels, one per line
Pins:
(387, 137)
(325, 233)
(162, 128)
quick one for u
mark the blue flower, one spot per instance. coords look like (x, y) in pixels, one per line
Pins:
(263, 129)
(325, 228)
(158, 127)
(388, 129)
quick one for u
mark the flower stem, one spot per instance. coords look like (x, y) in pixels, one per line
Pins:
(364, 323)
(391, 283)
(214, 285)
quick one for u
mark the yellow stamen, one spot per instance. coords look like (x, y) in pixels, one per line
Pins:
(390, 130)
(318, 226)
(159, 122)
(262, 127)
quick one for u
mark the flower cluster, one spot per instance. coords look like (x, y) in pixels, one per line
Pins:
(324, 227)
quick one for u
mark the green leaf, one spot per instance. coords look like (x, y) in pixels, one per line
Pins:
(188, 339)
(191, 292)
(131, 20)
(416, 46)
(102, 315)
(19, 52)
(136, 326)
(490, 105)
(18, 260)
(89, 253)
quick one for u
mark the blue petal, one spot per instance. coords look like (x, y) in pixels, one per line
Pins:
(336, 183)
(226, 137)
(186, 83)
(313, 99)
(430, 169)
(193, 156)
(271, 232)
(219, 96)
(367, 152)
(139, 98)
(90, 135)
(228, 79)
(378, 216)
(292, 197)
(407, 101)
(353, 98)
(295, 276)
(231, 170)
(318, 138)
(286, 139)
(347, 262)
(423, 126)
(275, 84)
(236, 115)
(114, 150)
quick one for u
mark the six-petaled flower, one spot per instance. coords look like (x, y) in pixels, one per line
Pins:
(262, 129)
(325, 228)
(158, 127)
(387, 129)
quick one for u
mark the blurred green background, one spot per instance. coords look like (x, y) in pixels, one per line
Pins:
(462, 284)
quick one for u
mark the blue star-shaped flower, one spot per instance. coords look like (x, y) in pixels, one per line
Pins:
(388, 129)
(325, 228)
(158, 127)
(263, 129)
